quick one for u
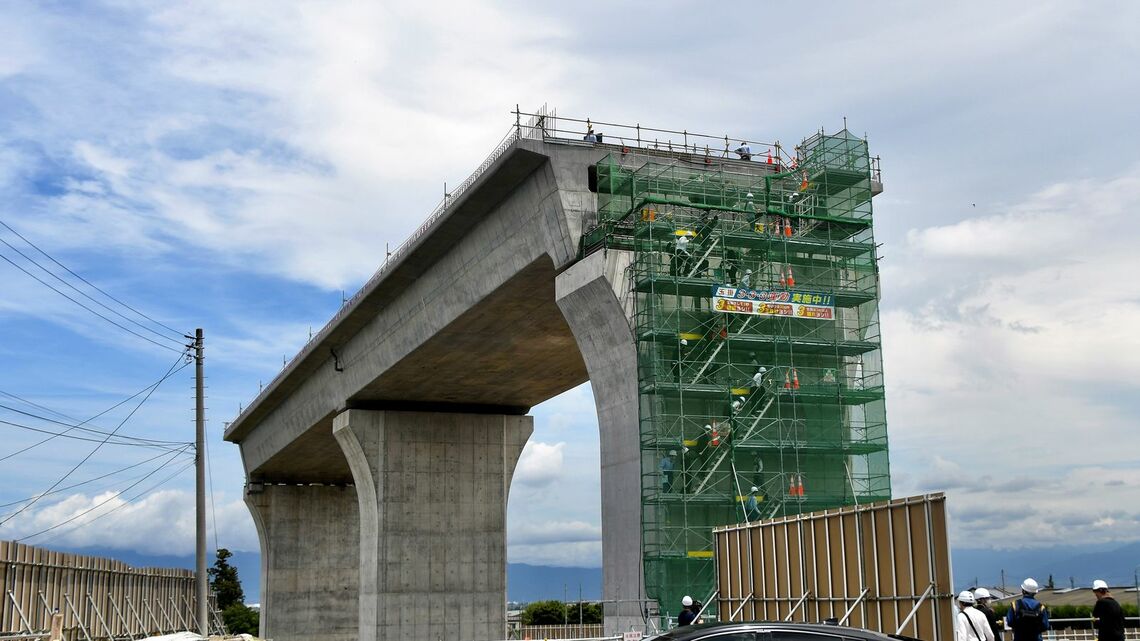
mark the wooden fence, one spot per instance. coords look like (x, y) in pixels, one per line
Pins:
(99, 598)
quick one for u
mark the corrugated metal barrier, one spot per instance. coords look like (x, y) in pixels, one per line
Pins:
(99, 598)
(883, 566)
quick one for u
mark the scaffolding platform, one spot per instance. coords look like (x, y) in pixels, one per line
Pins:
(755, 310)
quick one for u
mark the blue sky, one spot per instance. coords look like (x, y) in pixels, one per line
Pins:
(239, 166)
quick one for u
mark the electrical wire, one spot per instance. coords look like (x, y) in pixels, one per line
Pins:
(92, 480)
(172, 446)
(90, 284)
(100, 445)
(108, 499)
(114, 509)
(79, 426)
(53, 288)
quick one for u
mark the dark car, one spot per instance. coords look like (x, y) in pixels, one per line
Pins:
(773, 631)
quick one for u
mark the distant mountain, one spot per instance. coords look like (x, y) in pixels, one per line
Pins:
(1112, 562)
(539, 582)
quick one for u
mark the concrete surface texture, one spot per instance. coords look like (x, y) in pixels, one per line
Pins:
(486, 315)
(432, 489)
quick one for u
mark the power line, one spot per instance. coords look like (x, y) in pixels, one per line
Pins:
(53, 288)
(105, 501)
(171, 446)
(88, 429)
(89, 283)
(100, 445)
(117, 507)
(79, 426)
(92, 480)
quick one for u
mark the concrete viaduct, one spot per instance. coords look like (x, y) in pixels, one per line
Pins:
(379, 462)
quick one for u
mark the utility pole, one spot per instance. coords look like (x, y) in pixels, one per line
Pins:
(202, 587)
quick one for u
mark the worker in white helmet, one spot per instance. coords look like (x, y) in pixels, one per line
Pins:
(744, 150)
(982, 597)
(1108, 614)
(687, 615)
(969, 623)
(1027, 616)
(752, 505)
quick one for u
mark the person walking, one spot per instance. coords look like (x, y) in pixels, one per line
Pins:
(688, 614)
(982, 603)
(1027, 616)
(1108, 614)
(969, 623)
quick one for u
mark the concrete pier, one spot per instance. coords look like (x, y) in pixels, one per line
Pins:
(432, 491)
(310, 566)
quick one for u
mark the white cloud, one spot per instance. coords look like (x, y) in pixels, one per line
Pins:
(543, 532)
(540, 464)
(159, 523)
(577, 555)
(1017, 344)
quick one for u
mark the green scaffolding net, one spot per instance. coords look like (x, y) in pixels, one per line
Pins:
(756, 316)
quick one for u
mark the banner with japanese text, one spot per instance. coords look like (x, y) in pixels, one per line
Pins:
(775, 302)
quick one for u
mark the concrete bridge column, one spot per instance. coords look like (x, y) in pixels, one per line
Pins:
(595, 298)
(432, 495)
(310, 560)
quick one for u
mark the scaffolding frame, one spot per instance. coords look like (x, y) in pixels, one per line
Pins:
(759, 363)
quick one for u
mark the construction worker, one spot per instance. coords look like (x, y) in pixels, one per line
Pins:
(687, 615)
(982, 598)
(969, 623)
(1108, 614)
(746, 279)
(667, 465)
(682, 260)
(758, 379)
(744, 151)
(590, 135)
(1027, 616)
(752, 505)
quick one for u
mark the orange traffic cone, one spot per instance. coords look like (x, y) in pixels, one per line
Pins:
(799, 485)
(783, 281)
(769, 156)
(804, 183)
(788, 227)
(791, 485)
(791, 277)
(714, 439)
(795, 379)
(787, 381)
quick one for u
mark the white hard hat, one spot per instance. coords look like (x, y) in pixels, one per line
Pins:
(748, 271)
(981, 593)
(672, 452)
(763, 369)
(1100, 585)
(684, 341)
(966, 597)
(686, 600)
(1029, 585)
(748, 195)
(708, 428)
(755, 489)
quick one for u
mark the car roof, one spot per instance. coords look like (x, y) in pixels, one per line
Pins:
(696, 631)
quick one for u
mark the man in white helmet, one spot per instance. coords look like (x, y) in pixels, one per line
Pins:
(1108, 614)
(752, 505)
(969, 623)
(687, 615)
(1027, 616)
(744, 151)
(982, 598)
